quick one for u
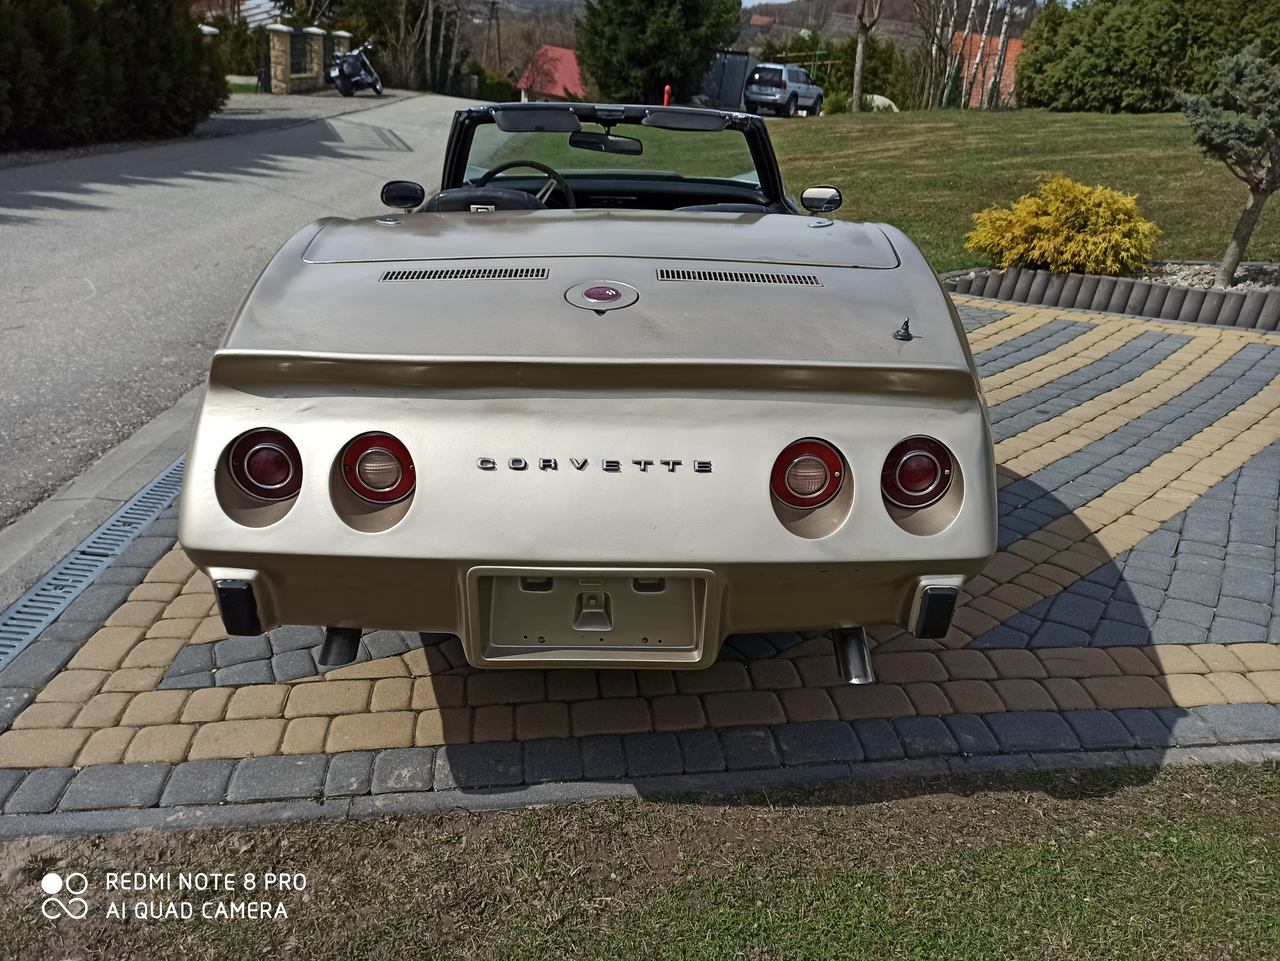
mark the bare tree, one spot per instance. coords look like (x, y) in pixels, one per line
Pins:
(955, 60)
(977, 57)
(937, 19)
(867, 15)
(993, 93)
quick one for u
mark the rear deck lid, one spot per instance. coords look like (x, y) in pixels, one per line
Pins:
(733, 237)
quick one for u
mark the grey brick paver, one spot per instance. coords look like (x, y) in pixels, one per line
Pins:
(278, 778)
(1099, 730)
(350, 772)
(602, 757)
(1241, 723)
(972, 734)
(817, 742)
(651, 754)
(115, 786)
(1027, 731)
(39, 791)
(496, 764)
(879, 740)
(925, 737)
(403, 769)
(747, 748)
(701, 751)
(552, 759)
(198, 782)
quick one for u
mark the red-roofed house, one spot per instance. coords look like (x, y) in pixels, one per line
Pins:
(552, 74)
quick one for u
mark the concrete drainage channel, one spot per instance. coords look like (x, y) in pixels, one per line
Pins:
(22, 622)
(1255, 309)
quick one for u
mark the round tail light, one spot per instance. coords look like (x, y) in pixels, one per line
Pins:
(807, 474)
(917, 473)
(378, 468)
(266, 465)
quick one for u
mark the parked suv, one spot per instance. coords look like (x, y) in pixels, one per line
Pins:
(783, 89)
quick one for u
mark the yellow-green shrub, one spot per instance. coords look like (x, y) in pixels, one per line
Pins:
(1067, 226)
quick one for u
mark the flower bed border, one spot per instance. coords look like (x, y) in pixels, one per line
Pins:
(1258, 309)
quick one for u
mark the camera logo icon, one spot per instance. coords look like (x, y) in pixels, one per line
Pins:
(74, 884)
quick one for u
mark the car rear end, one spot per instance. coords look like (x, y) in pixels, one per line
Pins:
(767, 87)
(476, 452)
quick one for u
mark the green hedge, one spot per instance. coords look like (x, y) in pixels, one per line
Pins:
(1135, 55)
(89, 71)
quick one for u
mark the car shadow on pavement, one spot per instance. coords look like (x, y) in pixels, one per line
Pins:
(1058, 659)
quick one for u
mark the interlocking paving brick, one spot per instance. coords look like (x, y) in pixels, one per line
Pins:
(928, 698)
(329, 697)
(971, 734)
(237, 650)
(925, 736)
(493, 722)
(107, 746)
(1241, 723)
(1099, 730)
(1030, 731)
(620, 716)
(9, 779)
(278, 778)
(237, 738)
(854, 702)
(806, 704)
(349, 773)
(162, 742)
(878, 739)
(748, 748)
(602, 756)
(552, 759)
(817, 742)
(702, 751)
(505, 687)
(677, 712)
(478, 766)
(36, 666)
(305, 735)
(41, 748)
(652, 754)
(729, 708)
(367, 732)
(1186, 729)
(403, 769)
(39, 791)
(115, 786)
(548, 719)
(198, 782)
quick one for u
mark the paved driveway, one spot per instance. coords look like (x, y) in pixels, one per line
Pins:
(121, 270)
(1130, 612)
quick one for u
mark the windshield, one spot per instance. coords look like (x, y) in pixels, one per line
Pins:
(718, 155)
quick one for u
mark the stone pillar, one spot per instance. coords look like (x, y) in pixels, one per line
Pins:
(341, 41)
(315, 56)
(278, 37)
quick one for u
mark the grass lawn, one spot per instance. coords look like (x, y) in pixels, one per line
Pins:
(1184, 864)
(926, 172)
(243, 87)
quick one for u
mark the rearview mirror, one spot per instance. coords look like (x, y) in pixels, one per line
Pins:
(404, 194)
(821, 200)
(606, 143)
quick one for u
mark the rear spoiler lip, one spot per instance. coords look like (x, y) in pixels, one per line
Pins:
(258, 368)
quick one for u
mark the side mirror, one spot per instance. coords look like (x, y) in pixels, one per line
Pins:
(404, 194)
(821, 200)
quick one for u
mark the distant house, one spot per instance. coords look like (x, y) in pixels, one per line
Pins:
(552, 74)
(254, 12)
(987, 67)
(761, 20)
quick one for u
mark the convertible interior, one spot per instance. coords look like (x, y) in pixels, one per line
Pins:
(540, 156)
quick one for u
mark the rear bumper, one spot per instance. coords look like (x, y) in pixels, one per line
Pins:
(511, 615)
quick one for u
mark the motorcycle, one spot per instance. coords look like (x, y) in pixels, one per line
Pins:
(352, 71)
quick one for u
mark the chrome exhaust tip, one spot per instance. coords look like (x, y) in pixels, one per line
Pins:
(853, 657)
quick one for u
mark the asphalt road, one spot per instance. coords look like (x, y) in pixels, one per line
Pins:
(120, 271)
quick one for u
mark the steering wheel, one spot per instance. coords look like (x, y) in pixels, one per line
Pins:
(554, 179)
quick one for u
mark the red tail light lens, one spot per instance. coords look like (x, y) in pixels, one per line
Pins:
(378, 468)
(265, 463)
(917, 473)
(807, 474)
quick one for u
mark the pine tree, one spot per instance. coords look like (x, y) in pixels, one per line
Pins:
(633, 50)
(1238, 122)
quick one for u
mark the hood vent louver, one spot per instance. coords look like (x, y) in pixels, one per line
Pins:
(739, 277)
(470, 273)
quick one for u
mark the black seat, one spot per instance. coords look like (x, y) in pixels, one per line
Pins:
(728, 208)
(497, 198)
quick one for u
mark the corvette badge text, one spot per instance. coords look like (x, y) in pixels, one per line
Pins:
(180, 896)
(609, 466)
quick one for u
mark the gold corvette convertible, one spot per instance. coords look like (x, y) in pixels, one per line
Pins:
(606, 398)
